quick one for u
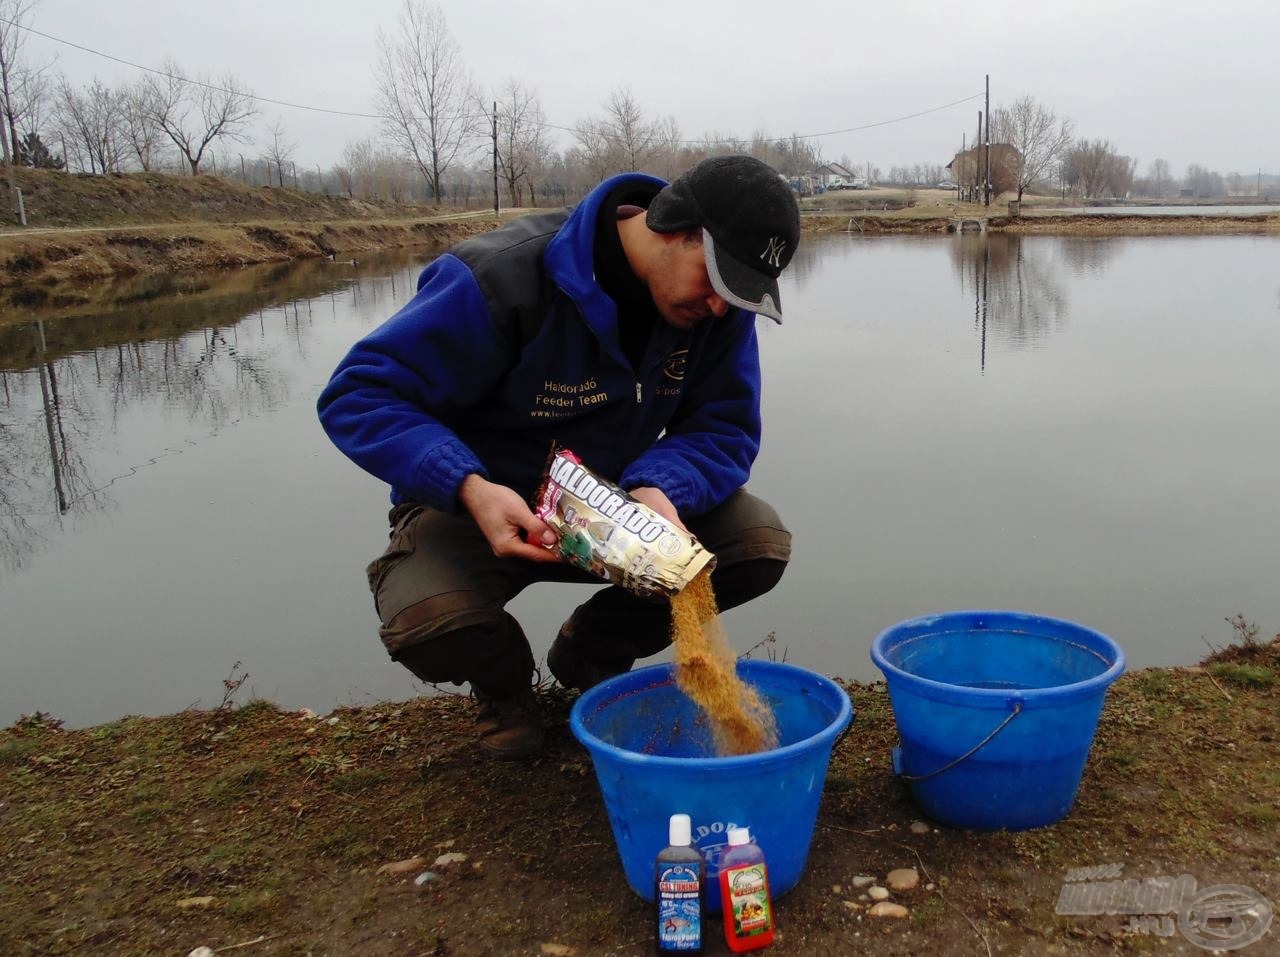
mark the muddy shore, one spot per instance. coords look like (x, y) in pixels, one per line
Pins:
(380, 830)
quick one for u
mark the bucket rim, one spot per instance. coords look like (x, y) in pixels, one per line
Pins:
(664, 674)
(1000, 697)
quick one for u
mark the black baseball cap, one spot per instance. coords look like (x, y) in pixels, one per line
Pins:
(750, 226)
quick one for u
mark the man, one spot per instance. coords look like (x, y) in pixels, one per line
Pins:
(623, 329)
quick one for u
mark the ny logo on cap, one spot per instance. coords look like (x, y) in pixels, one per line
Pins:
(773, 252)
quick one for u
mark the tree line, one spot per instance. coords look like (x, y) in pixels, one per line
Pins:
(441, 133)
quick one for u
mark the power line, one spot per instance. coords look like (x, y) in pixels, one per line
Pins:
(200, 83)
(465, 116)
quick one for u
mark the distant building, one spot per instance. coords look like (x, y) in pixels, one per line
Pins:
(968, 167)
(834, 176)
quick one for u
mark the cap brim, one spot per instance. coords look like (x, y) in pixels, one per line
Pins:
(740, 285)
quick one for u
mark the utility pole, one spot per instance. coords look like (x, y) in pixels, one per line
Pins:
(959, 171)
(977, 162)
(495, 159)
(987, 165)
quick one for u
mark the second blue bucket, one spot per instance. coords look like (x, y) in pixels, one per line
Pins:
(654, 757)
(996, 712)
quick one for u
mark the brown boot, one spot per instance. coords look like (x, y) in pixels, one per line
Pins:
(509, 727)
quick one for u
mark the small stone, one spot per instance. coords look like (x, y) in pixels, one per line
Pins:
(919, 827)
(444, 860)
(862, 880)
(189, 902)
(426, 877)
(202, 952)
(888, 909)
(852, 905)
(835, 888)
(557, 950)
(397, 868)
(878, 893)
(902, 880)
(929, 886)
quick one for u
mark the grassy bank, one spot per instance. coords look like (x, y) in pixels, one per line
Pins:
(85, 228)
(292, 833)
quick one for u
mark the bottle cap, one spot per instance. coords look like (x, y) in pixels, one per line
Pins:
(680, 831)
(739, 836)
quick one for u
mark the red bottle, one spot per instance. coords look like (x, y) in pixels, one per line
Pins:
(744, 894)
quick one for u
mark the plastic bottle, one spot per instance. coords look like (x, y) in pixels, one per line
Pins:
(744, 894)
(679, 888)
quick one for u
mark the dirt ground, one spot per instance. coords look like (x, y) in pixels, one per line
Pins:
(254, 831)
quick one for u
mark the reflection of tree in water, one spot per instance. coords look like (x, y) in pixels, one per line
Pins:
(1090, 254)
(1017, 299)
(57, 413)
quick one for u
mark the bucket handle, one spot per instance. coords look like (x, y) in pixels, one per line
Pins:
(1017, 709)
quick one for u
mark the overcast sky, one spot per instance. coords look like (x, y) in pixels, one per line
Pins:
(1186, 82)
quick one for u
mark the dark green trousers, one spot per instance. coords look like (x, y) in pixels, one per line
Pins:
(441, 595)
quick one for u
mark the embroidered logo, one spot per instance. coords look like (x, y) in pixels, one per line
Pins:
(675, 365)
(773, 252)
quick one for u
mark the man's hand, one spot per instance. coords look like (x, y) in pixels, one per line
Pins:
(504, 518)
(657, 500)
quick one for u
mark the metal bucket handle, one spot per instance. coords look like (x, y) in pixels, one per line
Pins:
(897, 749)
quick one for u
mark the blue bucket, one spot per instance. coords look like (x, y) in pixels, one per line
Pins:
(654, 757)
(996, 712)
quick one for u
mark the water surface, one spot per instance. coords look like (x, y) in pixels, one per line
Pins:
(1080, 427)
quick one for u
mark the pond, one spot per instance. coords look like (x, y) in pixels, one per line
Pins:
(1080, 427)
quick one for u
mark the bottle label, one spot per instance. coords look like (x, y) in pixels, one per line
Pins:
(679, 908)
(749, 900)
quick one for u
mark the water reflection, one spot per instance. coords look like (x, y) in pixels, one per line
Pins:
(1035, 422)
(1017, 297)
(206, 349)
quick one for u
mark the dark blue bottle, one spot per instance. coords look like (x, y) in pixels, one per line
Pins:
(679, 889)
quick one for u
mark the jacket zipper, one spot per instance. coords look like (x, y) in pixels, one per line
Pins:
(638, 393)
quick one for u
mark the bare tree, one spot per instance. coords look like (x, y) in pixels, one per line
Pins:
(196, 113)
(632, 137)
(670, 156)
(1097, 169)
(21, 85)
(1038, 137)
(424, 91)
(138, 126)
(794, 156)
(279, 150)
(1203, 182)
(92, 119)
(594, 149)
(1158, 178)
(522, 140)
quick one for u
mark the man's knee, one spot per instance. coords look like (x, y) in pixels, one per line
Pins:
(744, 529)
(436, 617)
(485, 647)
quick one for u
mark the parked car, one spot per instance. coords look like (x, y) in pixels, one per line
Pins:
(946, 185)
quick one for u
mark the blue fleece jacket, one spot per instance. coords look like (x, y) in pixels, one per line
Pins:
(511, 345)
